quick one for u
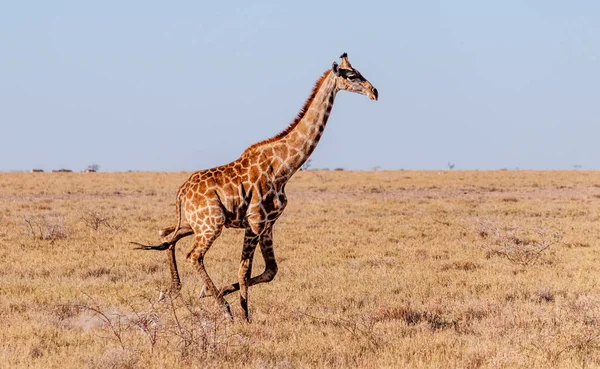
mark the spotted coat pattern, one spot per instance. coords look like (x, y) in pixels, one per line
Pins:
(249, 193)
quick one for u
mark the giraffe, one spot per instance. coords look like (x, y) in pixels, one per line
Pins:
(249, 193)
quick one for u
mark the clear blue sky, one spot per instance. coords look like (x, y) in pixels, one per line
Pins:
(187, 85)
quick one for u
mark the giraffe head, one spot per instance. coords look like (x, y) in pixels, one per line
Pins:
(350, 79)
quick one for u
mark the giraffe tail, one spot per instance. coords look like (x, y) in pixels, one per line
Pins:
(162, 246)
(165, 245)
(178, 211)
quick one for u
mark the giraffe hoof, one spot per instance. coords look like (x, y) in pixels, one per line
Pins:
(228, 310)
(162, 296)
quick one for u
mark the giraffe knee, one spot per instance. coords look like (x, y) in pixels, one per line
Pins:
(194, 257)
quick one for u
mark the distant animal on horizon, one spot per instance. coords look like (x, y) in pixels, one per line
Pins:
(249, 193)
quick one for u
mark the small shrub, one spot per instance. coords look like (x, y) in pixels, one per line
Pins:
(96, 272)
(361, 328)
(467, 266)
(375, 189)
(95, 220)
(45, 228)
(195, 333)
(413, 316)
(519, 245)
(545, 295)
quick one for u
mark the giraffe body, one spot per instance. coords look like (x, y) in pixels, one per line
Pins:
(249, 193)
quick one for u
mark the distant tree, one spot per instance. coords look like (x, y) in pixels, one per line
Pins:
(306, 165)
(450, 165)
(93, 167)
(577, 166)
(376, 168)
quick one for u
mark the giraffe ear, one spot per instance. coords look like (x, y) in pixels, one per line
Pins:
(335, 68)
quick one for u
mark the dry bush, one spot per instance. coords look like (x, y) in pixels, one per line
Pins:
(95, 220)
(198, 332)
(176, 324)
(433, 317)
(96, 272)
(115, 324)
(545, 295)
(361, 328)
(520, 245)
(49, 228)
(572, 333)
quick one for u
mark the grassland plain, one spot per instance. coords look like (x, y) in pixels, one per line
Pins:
(461, 269)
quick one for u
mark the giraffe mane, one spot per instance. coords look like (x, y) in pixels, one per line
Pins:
(298, 118)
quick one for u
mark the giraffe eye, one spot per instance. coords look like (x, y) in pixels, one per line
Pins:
(352, 76)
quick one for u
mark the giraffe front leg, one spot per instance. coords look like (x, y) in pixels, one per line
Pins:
(245, 272)
(266, 248)
(235, 286)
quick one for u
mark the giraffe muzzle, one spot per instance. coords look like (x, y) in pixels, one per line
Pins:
(374, 95)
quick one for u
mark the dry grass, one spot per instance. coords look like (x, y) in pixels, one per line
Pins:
(377, 269)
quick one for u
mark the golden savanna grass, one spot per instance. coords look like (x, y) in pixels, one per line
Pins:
(376, 269)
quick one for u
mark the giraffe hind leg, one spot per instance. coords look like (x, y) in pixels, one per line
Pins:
(175, 280)
(175, 288)
(202, 243)
(170, 247)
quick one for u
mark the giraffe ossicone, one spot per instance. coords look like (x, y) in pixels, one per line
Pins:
(249, 193)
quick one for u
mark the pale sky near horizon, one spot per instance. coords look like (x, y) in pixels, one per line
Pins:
(169, 86)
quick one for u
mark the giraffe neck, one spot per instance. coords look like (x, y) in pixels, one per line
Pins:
(303, 137)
